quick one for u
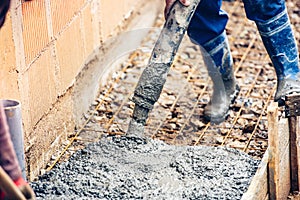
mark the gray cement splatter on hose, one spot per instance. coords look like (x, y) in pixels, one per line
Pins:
(154, 76)
(138, 168)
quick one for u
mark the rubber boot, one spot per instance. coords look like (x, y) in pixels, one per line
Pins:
(219, 63)
(280, 43)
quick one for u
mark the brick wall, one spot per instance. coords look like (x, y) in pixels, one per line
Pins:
(44, 45)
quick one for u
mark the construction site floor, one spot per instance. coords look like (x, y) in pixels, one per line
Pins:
(177, 116)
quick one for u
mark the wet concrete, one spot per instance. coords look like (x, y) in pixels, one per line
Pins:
(140, 168)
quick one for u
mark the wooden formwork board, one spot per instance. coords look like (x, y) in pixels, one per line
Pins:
(292, 112)
(272, 178)
(258, 189)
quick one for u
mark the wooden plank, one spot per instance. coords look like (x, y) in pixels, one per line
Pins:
(292, 105)
(272, 178)
(267, 197)
(284, 181)
(297, 128)
(279, 152)
(258, 188)
(294, 154)
(8, 186)
(292, 108)
(273, 175)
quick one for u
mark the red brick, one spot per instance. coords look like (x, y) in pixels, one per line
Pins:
(63, 11)
(35, 32)
(41, 86)
(88, 31)
(8, 71)
(70, 54)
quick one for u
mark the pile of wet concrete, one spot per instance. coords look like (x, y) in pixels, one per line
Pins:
(120, 167)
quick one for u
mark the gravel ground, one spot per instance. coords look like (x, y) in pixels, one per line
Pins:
(139, 168)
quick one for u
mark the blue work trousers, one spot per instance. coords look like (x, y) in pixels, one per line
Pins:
(209, 20)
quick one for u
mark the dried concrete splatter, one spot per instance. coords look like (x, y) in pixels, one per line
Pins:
(140, 168)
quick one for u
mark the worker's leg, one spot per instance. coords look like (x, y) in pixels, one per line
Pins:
(207, 29)
(273, 23)
(9, 161)
(219, 63)
(208, 22)
(8, 158)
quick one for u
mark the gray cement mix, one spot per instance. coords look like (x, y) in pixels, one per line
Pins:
(132, 167)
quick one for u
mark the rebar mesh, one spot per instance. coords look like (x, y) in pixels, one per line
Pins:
(177, 116)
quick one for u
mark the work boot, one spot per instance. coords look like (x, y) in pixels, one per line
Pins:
(219, 63)
(280, 43)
